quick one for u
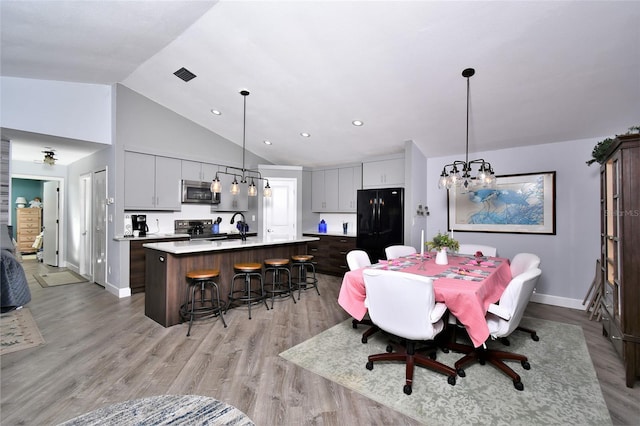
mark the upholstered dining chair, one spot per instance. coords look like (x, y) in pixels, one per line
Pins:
(404, 305)
(357, 259)
(394, 252)
(474, 248)
(502, 319)
(520, 263)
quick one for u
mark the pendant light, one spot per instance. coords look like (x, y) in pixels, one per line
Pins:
(451, 176)
(246, 175)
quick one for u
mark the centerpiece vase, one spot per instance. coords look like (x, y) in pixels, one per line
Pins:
(441, 257)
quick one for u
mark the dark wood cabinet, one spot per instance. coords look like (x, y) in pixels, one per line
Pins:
(137, 261)
(620, 258)
(330, 253)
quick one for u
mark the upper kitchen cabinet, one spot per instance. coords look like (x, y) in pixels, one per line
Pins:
(324, 190)
(335, 190)
(228, 201)
(151, 182)
(199, 172)
(349, 181)
(384, 173)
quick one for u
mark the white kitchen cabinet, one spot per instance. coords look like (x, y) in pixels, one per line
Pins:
(151, 182)
(228, 201)
(324, 190)
(383, 173)
(199, 172)
(349, 181)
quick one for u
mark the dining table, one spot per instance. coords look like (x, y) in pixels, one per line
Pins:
(467, 285)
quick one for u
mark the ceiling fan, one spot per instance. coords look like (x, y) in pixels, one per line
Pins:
(49, 157)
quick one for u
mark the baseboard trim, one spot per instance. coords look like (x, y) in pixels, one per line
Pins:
(118, 292)
(563, 302)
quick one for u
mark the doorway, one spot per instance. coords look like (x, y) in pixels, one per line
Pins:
(280, 209)
(86, 236)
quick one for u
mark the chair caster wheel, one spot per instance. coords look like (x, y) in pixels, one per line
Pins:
(526, 365)
(534, 337)
(369, 365)
(389, 349)
(482, 361)
(461, 372)
(407, 389)
(354, 324)
(445, 350)
(364, 339)
(518, 385)
(451, 380)
(433, 355)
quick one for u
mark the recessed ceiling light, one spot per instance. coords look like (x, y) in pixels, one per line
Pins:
(357, 123)
(215, 112)
(267, 142)
(305, 134)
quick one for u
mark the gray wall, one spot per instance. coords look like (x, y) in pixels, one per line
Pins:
(568, 258)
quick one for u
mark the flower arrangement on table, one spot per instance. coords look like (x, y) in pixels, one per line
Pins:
(441, 241)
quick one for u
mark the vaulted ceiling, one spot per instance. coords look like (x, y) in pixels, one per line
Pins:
(545, 71)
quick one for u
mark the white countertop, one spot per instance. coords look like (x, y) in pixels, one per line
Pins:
(332, 234)
(198, 246)
(150, 237)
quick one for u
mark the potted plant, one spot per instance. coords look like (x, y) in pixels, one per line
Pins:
(601, 148)
(442, 242)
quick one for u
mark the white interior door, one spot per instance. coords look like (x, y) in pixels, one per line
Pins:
(99, 213)
(86, 236)
(50, 216)
(280, 210)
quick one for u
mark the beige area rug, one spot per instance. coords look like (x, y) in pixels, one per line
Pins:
(51, 279)
(561, 388)
(18, 330)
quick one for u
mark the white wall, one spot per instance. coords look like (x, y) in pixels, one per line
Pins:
(568, 258)
(72, 110)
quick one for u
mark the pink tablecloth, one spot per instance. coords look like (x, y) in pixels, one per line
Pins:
(464, 286)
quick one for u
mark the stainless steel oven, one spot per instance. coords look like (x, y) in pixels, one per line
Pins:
(194, 192)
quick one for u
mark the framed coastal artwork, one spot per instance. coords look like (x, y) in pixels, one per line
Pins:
(519, 204)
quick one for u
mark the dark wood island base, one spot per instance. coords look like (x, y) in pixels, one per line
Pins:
(165, 273)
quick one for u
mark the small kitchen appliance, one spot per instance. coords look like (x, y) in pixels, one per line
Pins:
(139, 223)
(198, 229)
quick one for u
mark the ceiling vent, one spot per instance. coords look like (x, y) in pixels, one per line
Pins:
(184, 74)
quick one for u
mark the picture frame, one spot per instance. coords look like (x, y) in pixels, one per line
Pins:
(519, 204)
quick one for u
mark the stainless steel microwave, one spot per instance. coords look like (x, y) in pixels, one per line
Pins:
(194, 192)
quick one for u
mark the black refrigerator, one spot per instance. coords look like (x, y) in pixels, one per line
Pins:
(380, 220)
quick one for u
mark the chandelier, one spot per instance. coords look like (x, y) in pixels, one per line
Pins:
(458, 173)
(245, 175)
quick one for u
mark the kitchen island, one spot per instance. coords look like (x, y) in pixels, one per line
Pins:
(167, 263)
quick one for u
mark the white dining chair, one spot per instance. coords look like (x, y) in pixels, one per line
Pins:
(357, 259)
(502, 319)
(521, 263)
(394, 252)
(473, 248)
(411, 314)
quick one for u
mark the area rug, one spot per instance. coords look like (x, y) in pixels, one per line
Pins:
(560, 388)
(18, 330)
(192, 410)
(51, 279)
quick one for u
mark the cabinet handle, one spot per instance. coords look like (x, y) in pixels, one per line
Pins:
(615, 337)
(161, 259)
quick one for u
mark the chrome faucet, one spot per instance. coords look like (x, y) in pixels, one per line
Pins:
(243, 225)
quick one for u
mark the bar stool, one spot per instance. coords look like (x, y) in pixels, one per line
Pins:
(200, 306)
(276, 287)
(248, 295)
(306, 272)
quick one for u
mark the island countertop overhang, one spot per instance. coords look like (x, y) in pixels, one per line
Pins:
(199, 246)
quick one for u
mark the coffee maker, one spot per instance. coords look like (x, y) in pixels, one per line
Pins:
(139, 223)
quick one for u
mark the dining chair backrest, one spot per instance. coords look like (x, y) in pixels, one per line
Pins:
(523, 262)
(357, 259)
(394, 252)
(403, 304)
(473, 248)
(505, 317)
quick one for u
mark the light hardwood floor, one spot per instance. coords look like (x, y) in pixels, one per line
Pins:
(102, 350)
